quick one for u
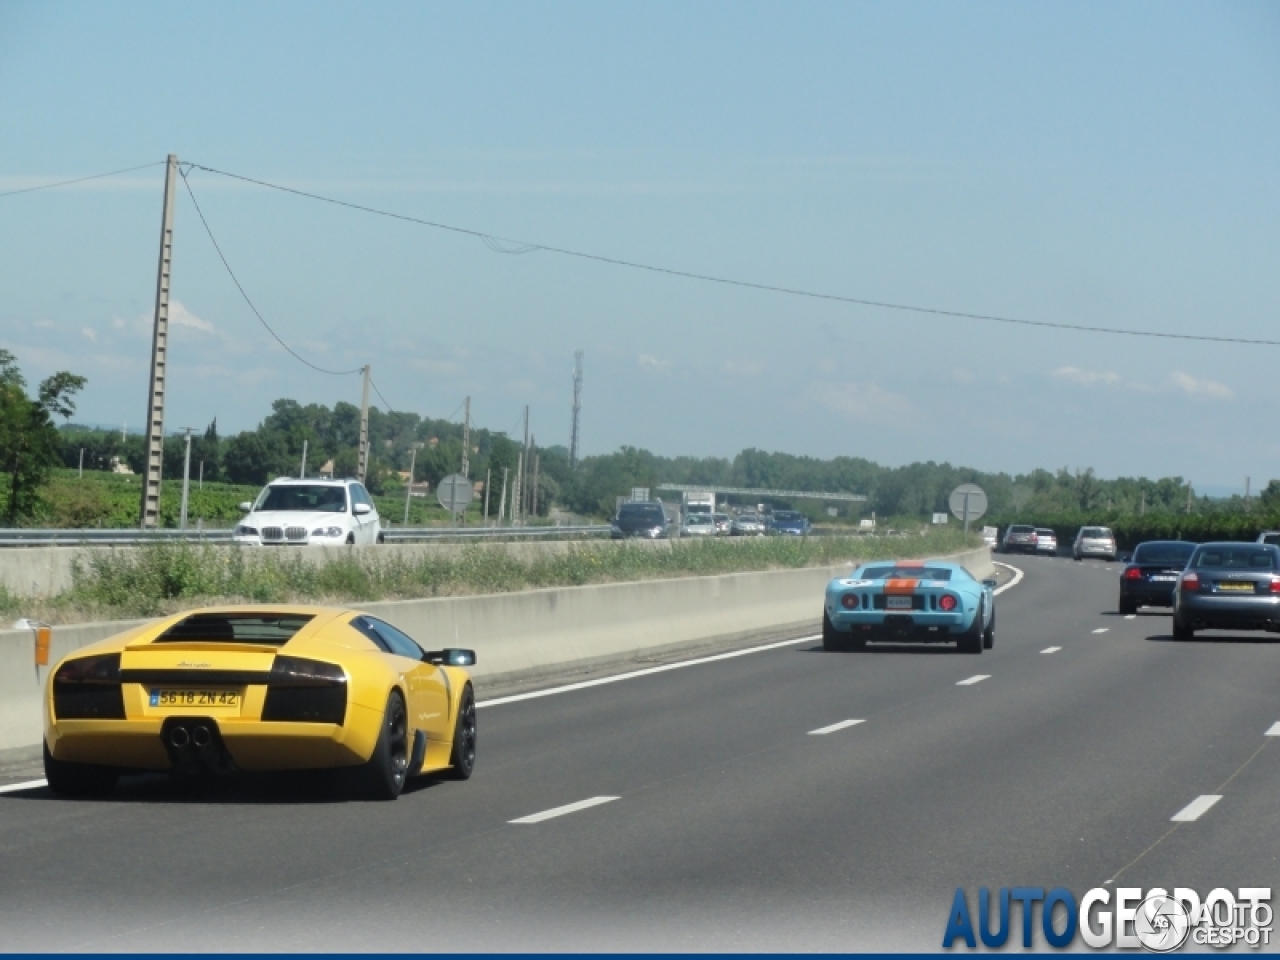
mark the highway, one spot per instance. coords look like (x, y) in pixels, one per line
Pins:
(732, 804)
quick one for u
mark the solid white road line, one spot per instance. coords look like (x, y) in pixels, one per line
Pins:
(1273, 731)
(550, 691)
(978, 679)
(1195, 809)
(561, 811)
(28, 785)
(1017, 575)
(1131, 616)
(1102, 630)
(1050, 649)
(834, 727)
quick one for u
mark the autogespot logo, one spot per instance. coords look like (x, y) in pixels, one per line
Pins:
(1155, 920)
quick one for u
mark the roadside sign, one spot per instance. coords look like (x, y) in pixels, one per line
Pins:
(968, 502)
(454, 493)
(639, 494)
(940, 518)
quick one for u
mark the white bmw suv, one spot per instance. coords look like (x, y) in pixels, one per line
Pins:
(310, 512)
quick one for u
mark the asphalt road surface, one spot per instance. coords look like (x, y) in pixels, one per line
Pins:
(721, 816)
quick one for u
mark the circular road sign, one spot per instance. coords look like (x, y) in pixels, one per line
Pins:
(968, 502)
(454, 493)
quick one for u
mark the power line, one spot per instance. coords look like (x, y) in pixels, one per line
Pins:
(508, 245)
(96, 176)
(231, 273)
(379, 393)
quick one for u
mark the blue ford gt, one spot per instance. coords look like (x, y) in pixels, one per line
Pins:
(909, 601)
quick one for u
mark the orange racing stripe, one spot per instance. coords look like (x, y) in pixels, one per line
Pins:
(900, 587)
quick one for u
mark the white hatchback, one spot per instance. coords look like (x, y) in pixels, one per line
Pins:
(310, 513)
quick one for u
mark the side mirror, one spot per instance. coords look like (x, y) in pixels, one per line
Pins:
(246, 506)
(990, 583)
(451, 657)
(360, 509)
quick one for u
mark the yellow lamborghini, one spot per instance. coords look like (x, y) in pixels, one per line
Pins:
(260, 688)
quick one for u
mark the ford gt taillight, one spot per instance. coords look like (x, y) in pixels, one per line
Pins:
(850, 601)
(947, 602)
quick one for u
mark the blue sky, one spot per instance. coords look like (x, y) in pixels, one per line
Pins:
(1108, 164)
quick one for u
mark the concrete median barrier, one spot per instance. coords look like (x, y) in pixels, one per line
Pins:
(516, 635)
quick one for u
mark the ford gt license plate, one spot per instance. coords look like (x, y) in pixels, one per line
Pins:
(195, 698)
(898, 603)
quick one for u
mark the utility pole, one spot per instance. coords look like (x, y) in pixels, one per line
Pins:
(302, 470)
(537, 462)
(466, 441)
(363, 462)
(488, 473)
(1248, 507)
(577, 408)
(408, 488)
(201, 475)
(81, 477)
(502, 504)
(149, 512)
(186, 482)
(1188, 498)
(522, 469)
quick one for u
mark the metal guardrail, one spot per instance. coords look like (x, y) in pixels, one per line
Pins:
(23, 537)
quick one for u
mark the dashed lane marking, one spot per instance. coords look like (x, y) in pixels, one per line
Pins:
(1196, 808)
(33, 784)
(972, 680)
(1274, 730)
(1102, 630)
(1050, 649)
(1131, 616)
(561, 811)
(834, 727)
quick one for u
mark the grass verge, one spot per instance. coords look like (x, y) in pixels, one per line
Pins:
(162, 578)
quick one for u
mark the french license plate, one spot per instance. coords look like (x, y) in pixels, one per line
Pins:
(195, 698)
(1235, 587)
(898, 603)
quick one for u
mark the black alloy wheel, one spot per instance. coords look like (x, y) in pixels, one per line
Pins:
(68, 779)
(387, 769)
(971, 641)
(1182, 632)
(462, 759)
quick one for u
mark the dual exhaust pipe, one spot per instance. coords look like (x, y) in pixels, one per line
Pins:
(199, 737)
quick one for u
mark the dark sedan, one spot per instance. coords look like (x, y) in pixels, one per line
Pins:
(645, 519)
(1228, 586)
(791, 522)
(1151, 575)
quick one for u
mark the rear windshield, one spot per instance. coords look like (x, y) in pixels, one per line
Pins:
(1019, 528)
(297, 496)
(1243, 557)
(237, 628)
(1174, 553)
(641, 511)
(906, 573)
(1096, 533)
(1271, 538)
(1045, 533)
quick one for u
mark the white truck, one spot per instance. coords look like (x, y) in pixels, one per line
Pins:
(704, 503)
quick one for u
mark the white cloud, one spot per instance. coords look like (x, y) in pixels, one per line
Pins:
(646, 362)
(89, 332)
(118, 323)
(861, 401)
(180, 316)
(1201, 388)
(1086, 378)
(44, 324)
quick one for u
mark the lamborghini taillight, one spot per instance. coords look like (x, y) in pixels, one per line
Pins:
(88, 688)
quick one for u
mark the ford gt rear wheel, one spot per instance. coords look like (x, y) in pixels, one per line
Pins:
(989, 635)
(971, 641)
(463, 758)
(77, 779)
(384, 774)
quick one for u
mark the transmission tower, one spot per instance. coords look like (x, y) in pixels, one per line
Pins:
(577, 408)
